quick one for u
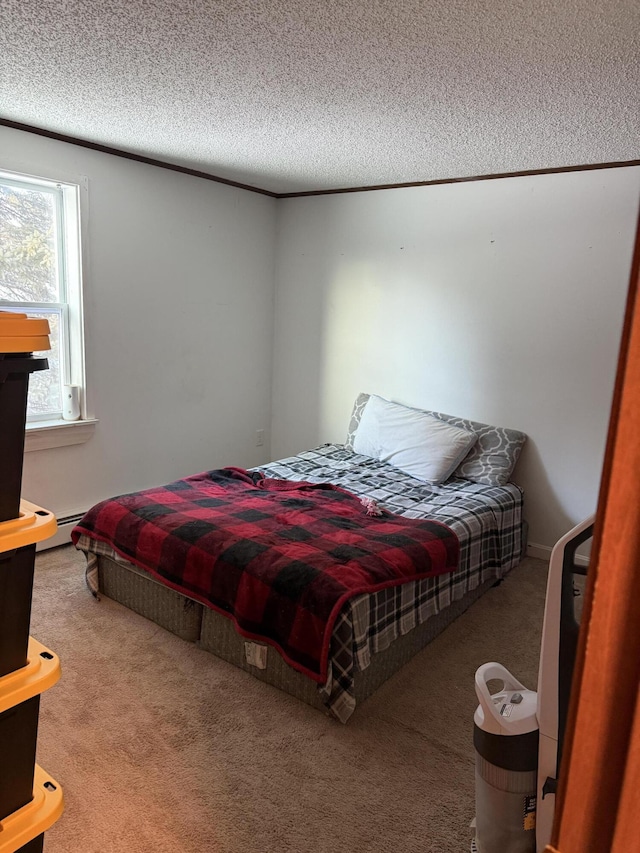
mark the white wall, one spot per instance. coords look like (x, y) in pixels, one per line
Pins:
(179, 325)
(501, 301)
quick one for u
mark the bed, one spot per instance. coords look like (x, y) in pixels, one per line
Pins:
(374, 633)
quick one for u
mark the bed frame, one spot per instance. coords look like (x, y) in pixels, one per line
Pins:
(215, 633)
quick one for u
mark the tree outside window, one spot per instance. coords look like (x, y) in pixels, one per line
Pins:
(40, 276)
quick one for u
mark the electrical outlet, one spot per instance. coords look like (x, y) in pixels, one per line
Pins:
(259, 437)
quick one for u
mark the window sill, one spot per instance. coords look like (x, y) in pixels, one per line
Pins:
(43, 435)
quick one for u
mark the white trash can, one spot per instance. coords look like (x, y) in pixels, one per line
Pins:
(505, 736)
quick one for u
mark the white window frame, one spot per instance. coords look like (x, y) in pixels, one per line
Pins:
(71, 202)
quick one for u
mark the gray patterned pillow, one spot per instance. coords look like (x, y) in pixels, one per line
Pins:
(356, 414)
(490, 461)
(493, 457)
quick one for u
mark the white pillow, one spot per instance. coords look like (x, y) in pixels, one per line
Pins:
(423, 446)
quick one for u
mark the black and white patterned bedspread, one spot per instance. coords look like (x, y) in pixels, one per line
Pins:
(486, 519)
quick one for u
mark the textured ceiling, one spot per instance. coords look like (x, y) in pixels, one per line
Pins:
(294, 95)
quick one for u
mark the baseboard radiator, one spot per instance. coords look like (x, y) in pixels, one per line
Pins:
(62, 535)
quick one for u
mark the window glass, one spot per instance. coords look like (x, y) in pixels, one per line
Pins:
(28, 245)
(40, 274)
(45, 386)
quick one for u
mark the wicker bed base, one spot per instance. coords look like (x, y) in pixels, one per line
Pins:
(215, 633)
(219, 637)
(141, 593)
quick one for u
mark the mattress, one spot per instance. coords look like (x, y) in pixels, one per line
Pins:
(371, 628)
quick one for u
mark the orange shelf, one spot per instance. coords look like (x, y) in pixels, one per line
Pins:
(32, 525)
(41, 672)
(22, 826)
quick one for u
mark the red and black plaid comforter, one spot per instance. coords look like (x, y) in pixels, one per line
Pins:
(278, 557)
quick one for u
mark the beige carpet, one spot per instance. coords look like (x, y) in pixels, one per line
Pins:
(161, 747)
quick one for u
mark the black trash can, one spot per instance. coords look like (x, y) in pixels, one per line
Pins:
(20, 336)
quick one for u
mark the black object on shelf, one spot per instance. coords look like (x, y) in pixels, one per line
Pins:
(35, 846)
(16, 585)
(15, 369)
(18, 737)
(29, 801)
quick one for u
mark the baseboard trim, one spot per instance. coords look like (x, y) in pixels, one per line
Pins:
(543, 552)
(540, 552)
(62, 536)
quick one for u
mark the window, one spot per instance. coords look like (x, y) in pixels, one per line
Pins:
(40, 275)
